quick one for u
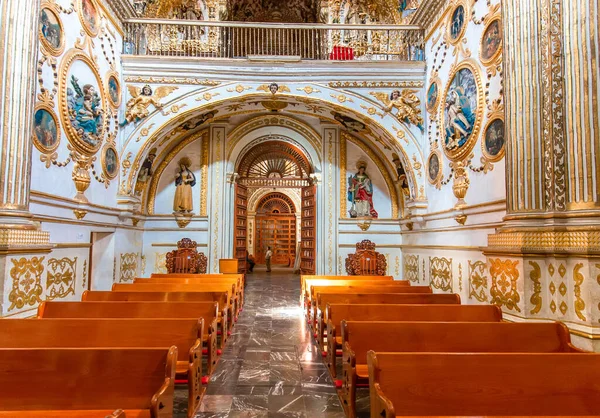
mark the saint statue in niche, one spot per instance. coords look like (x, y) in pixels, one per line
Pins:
(360, 193)
(402, 178)
(184, 181)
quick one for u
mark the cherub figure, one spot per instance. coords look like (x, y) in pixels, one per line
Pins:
(407, 103)
(141, 99)
(274, 88)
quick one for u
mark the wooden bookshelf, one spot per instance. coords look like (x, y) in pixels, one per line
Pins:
(241, 224)
(308, 230)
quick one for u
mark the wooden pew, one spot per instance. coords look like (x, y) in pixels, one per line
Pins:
(241, 278)
(320, 292)
(172, 310)
(222, 298)
(477, 384)
(232, 309)
(87, 382)
(322, 317)
(358, 338)
(399, 312)
(185, 334)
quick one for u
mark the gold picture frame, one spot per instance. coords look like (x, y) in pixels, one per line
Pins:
(110, 174)
(496, 57)
(83, 8)
(73, 136)
(45, 149)
(43, 32)
(433, 108)
(113, 75)
(493, 158)
(466, 13)
(459, 153)
(435, 181)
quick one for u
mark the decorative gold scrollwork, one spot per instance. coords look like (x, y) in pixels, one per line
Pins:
(536, 298)
(505, 277)
(27, 282)
(60, 278)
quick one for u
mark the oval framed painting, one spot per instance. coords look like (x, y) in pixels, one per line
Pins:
(113, 89)
(434, 168)
(110, 162)
(462, 110)
(46, 132)
(50, 30)
(490, 46)
(82, 103)
(493, 143)
(433, 95)
(89, 15)
(457, 25)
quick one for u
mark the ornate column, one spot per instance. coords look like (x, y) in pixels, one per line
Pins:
(217, 193)
(20, 237)
(545, 262)
(330, 195)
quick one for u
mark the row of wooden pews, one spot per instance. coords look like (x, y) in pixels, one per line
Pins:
(118, 354)
(425, 354)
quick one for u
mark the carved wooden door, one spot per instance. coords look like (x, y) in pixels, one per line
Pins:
(308, 230)
(241, 224)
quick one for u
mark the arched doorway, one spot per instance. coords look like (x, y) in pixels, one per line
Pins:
(275, 227)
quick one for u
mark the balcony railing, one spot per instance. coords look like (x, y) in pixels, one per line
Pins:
(240, 40)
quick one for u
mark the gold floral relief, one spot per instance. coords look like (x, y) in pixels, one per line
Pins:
(26, 275)
(160, 263)
(128, 267)
(440, 273)
(411, 268)
(505, 277)
(60, 278)
(478, 281)
(536, 298)
(578, 279)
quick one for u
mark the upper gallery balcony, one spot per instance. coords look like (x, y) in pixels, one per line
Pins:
(273, 41)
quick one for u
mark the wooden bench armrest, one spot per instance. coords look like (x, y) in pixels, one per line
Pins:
(349, 379)
(195, 389)
(331, 359)
(381, 406)
(117, 414)
(161, 405)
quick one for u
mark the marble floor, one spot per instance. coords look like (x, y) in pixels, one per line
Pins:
(271, 366)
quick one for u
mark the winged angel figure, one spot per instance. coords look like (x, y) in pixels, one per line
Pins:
(85, 112)
(142, 98)
(274, 88)
(407, 103)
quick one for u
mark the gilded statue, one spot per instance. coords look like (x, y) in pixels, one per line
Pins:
(184, 181)
(407, 103)
(142, 98)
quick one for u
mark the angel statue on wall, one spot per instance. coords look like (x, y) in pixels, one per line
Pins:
(360, 193)
(85, 112)
(142, 98)
(184, 181)
(407, 103)
(273, 88)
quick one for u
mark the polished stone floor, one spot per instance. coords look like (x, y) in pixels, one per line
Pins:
(270, 366)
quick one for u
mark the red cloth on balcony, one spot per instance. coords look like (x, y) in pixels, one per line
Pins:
(341, 53)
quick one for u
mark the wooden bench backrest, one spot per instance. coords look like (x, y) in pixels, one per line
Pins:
(80, 333)
(360, 298)
(206, 310)
(195, 276)
(87, 378)
(169, 287)
(488, 384)
(174, 280)
(345, 283)
(455, 337)
(102, 296)
(308, 281)
(414, 313)
(374, 289)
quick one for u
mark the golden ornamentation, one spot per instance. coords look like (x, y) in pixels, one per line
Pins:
(343, 193)
(330, 164)
(484, 151)
(308, 90)
(274, 105)
(87, 27)
(466, 18)
(217, 182)
(10, 237)
(81, 175)
(417, 165)
(47, 106)
(207, 96)
(143, 267)
(536, 298)
(400, 134)
(553, 306)
(496, 59)
(173, 80)
(460, 278)
(562, 289)
(380, 165)
(478, 281)
(457, 153)
(142, 98)
(73, 136)
(144, 132)
(183, 219)
(461, 219)
(505, 277)
(372, 111)
(341, 98)
(432, 108)
(376, 84)
(85, 275)
(563, 307)
(47, 47)
(578, 279)
(411, 268)
(268, 88)
(461, 183)
(26, 275)
(440, 173)
(552, 288)
(406, 102)
(115, 76)
(204, 178)
(105, 170)
(60, 278)
(572, 240)
(135, 222)
(440, 273)
(239, 89)
(80, 213)
(128, 267)
(160, 263)
(173, 110)
(397, 267)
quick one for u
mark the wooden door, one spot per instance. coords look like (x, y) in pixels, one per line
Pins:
(279, 233)
(308, 230)
(241, 224)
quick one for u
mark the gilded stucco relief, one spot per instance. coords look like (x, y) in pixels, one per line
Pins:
(26, 275)
(61, 276)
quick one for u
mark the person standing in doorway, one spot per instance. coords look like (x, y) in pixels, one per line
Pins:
(268, 256)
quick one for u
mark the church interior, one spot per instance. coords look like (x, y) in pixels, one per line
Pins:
(299, 208)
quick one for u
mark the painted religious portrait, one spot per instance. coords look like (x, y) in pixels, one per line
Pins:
(432, 96)
(457, 22)
(460, 111)
(491, 41)
(90, 16)
(494, 140)
(45, 129)
(51, 30)
(114, 90)
(110, 162)
(433, 167)
(360, 193)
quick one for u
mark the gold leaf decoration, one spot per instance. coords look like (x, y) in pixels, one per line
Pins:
(578, 279)
(505, 276)
(27, 282)
(478, 281)
(60, 278)
(128, 270)
(536, 299)
(440, 273)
